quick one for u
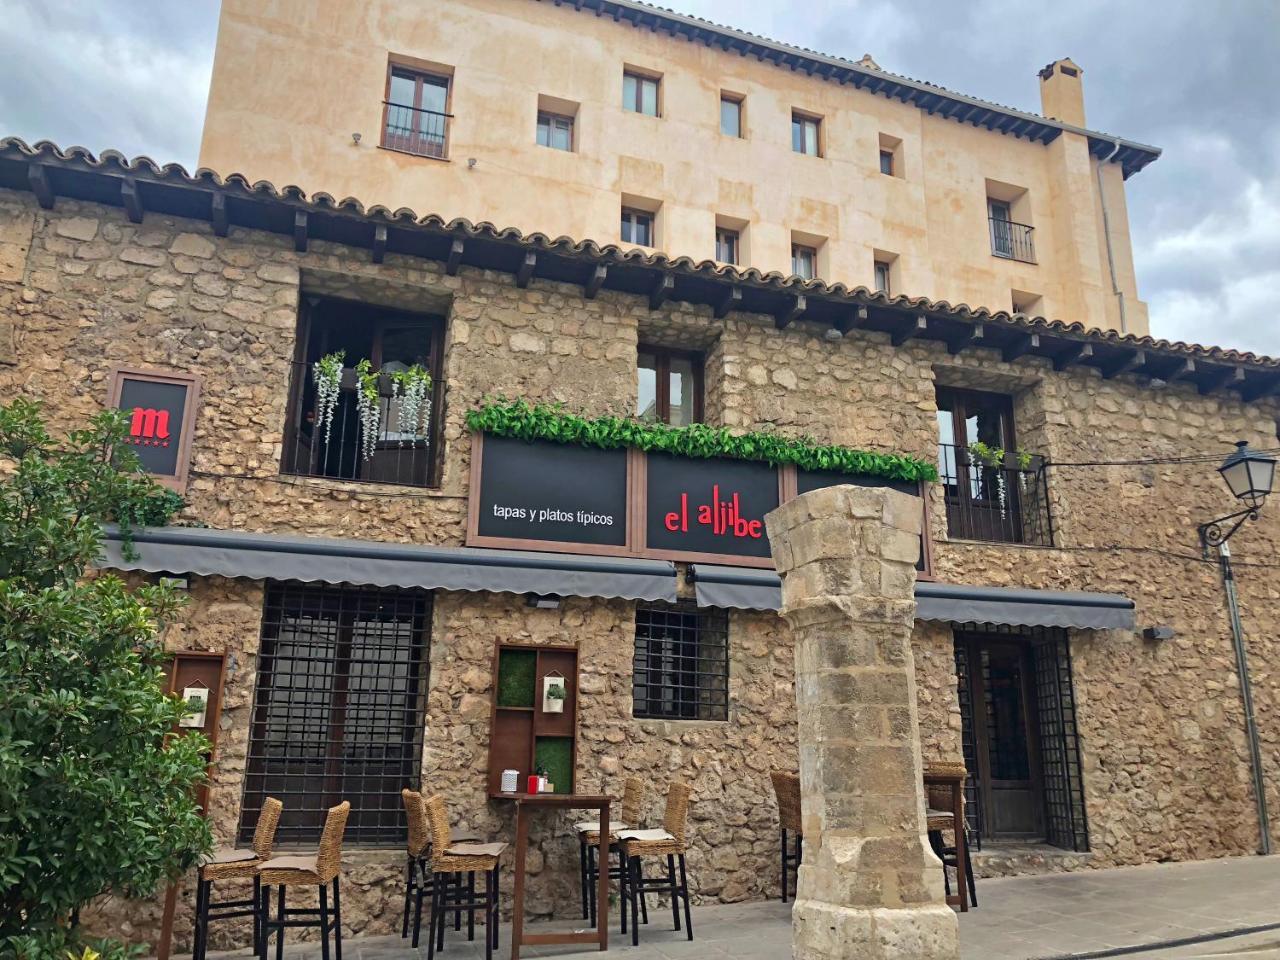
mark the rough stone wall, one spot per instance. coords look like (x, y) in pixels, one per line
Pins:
(1166, 775)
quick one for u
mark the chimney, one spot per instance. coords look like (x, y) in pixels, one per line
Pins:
(1062, 92)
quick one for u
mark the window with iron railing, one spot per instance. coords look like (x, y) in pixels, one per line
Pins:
(403, 447)
(338, 709)
(1009, 238)
(681, 663)
(994, 491)
(415, 113)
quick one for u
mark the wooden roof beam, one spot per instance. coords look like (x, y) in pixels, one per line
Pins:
(661, 291)
(1072, 355)
(792, 312)
(971, 337)
(909, 329)
(379, 250)
(1223, 377)
(1262, 386)
(731, 300)
(218, 214)
(131, 200)
(1026, 343)
(595, 281)
(300, 231)
(851, 320)
(38, 181)
(456, 250)
(1136, 360)
(524, 272)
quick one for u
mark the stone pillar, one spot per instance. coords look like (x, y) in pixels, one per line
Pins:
(869, 886)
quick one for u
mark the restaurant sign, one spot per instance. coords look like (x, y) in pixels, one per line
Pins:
(548, 496)
(160, 411)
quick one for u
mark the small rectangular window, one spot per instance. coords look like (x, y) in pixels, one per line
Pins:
(637, 227)
(727, 245)
(804, 261)
(804, 134)
(730, 115)
(681, 664)
(669, 386)
(640, 94)
(555, 131)
(886, 162)
(882, 277)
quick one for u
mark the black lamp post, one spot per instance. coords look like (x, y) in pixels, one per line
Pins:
(1250, 476)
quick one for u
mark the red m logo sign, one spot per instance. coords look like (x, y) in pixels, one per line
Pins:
(149, 424)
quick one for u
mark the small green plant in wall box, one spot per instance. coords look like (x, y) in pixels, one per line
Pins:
(556, 692)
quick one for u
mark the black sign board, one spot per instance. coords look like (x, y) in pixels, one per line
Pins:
(552, 492)
(709, 506)
(157, 416)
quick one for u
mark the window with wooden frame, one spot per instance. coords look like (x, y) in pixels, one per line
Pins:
(393, 341)
(670, 386)
(883, 274)
(681, 665)
(555, 131)
(640, 93)
(806, 134)
(886, 162)
(338, 710)
(727, 245)
(415, 117)
(804, 261)
(637, 227)
(731, 115)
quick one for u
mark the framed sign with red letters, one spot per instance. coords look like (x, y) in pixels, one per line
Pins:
(547, 496)
(161, 409)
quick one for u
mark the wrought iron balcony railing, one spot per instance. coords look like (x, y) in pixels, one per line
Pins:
(1012, 240)
(400, 454)
(421, 132)
(1002, 503)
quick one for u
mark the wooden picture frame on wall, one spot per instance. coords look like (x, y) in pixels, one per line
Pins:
(121, 376)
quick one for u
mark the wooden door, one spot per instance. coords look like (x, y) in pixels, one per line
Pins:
(1005, 728)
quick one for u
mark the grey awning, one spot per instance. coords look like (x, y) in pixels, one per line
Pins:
(748, 589)
(263, 556)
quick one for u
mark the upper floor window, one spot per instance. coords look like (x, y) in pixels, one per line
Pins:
(415, 114)
(804, 261)
(681, 663)
(640, 94)
(670, 386)
(402, 448)
(886, 162)
(994, 490)
(805, 134)
(1008, 237)
(637, 227)
(555, 131)
(730, 115)
(727, 243)
(883, 273)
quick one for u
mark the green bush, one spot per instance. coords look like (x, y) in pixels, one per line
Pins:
(528, 421)
(96, 793)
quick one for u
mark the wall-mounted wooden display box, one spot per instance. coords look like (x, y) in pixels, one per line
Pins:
(530, 727)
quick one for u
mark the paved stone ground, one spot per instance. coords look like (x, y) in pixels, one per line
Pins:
(1019, 918)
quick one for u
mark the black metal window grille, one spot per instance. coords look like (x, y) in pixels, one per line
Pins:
(338, 710)
(1066, 821)
(681, 664)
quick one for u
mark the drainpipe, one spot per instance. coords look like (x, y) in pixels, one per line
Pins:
(1246, 698)
(1106, 230)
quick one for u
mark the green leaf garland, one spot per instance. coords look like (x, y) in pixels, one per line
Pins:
(523, 420)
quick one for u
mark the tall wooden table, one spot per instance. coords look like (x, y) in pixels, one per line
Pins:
(526, 803)
(955, 783)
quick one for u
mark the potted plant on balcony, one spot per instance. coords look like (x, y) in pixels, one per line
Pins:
(327, 373)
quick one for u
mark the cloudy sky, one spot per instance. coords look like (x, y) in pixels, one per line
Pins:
(1198, 79)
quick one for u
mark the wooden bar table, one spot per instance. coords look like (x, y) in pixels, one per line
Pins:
(526, 803)
(955, 783)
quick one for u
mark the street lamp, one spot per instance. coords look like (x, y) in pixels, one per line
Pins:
(1249, 476)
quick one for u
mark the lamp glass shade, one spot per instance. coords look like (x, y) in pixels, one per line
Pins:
(1248, 474)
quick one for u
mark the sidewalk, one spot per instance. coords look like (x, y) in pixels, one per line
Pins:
(1019, 918)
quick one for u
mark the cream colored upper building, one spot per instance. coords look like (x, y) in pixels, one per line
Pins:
(862, 176)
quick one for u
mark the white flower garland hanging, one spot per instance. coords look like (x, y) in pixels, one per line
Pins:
(368, 408)
(414, 386)
(327, 372)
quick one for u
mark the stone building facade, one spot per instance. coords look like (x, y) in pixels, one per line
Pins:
(88, 284)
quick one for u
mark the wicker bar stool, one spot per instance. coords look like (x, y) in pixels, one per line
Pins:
(786, 787)
(418, 882)
(449, 894)
(235, 865)
(589, 840)
(940, 819)
(318, 870)
(670, 841)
